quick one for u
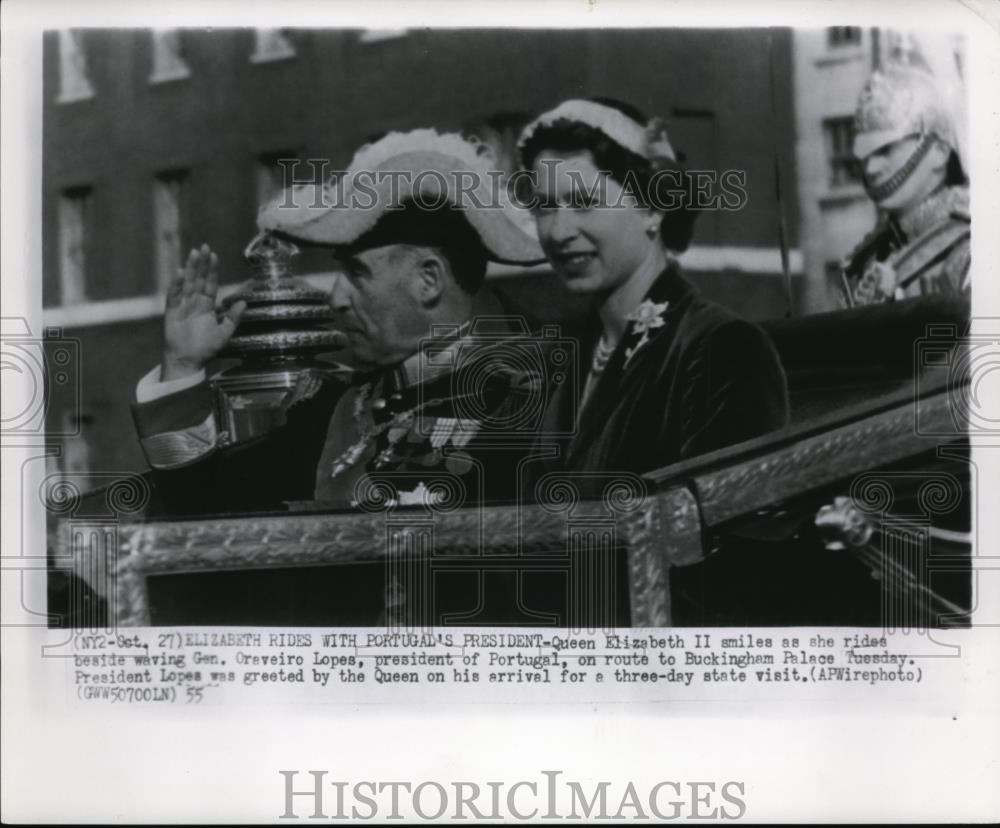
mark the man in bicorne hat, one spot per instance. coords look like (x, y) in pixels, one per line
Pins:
(907, 145)
(411, 225)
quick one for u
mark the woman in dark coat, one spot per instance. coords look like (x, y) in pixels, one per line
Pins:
(665, 375)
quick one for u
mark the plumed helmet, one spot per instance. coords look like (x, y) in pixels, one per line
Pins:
(898, 102)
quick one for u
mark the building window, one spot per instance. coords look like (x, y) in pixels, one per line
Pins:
(74, 215)
(500, 132)
(843, 36)
(168, 64)
(168, 214)
(271, 44)
(842, 166)
(271, 174)
(74, 83)
(375, 35)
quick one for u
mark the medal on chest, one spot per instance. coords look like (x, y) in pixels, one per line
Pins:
(395, 430)
(437, 431)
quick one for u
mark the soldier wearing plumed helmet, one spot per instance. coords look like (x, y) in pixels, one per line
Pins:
(907, 146)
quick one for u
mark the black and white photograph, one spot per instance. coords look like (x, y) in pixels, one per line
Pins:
(563, 361)
(671, 317)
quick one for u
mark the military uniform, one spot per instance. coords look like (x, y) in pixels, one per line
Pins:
(919, 247)
(424, 422)
(429, 432)
(926, 250)
(916, 248)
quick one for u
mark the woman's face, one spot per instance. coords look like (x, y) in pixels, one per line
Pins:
(593, 232)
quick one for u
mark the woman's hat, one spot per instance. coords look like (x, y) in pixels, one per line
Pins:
(645, 140)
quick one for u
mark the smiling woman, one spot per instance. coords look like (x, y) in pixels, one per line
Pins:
(666, 375)
(594, 246)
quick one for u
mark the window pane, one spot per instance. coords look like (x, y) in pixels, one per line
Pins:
(167, 61)
(271, 44)
(73, 213)
(74, 84)
(167, 223)
(841, 164)
(843, 36)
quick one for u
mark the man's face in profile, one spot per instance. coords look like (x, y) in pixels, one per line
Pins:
(376, 304)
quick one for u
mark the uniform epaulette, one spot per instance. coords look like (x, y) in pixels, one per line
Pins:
(855, 261)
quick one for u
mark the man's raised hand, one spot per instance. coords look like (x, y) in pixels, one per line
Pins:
(192, 331)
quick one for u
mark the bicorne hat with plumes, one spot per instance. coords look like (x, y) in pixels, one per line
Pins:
(423, 171)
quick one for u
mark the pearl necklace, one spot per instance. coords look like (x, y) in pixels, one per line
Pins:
(602, 355)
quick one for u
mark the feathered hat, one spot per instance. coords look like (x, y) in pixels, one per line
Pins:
(428, 173)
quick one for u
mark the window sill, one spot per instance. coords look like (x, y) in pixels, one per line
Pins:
(272, 57)
(379, 35)
(74, 97)
(167, 77)
(853, 55)
(843, 195)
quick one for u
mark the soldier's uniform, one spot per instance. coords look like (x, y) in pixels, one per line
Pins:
(927, 250)
(922, 248)
(915, 250)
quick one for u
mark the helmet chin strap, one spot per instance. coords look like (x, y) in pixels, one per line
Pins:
(900, 177)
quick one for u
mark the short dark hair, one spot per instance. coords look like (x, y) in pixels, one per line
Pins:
(636, 173)
(444, 229)
(468, 266)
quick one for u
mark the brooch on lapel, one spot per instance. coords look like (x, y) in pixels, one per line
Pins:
(644, 318)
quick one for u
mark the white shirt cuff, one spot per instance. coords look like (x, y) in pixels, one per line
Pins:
(150, 388)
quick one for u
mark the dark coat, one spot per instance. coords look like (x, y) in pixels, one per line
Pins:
(703, 380)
